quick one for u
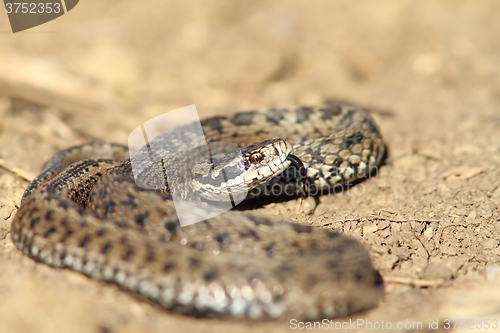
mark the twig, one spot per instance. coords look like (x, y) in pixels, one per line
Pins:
(414, 282)
(377, 217)
(21, 173)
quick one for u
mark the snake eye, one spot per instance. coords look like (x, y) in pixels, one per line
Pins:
(256, 157)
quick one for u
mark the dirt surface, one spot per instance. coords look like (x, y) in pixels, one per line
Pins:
(429, 69)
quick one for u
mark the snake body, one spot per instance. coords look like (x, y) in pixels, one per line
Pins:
(86, 212)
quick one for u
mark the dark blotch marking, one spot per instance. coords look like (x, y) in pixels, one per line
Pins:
(222, 239)
(195, 263)
(214, 123)
(329, 111)
(34, 221)
(243, 118)
(275, 115)
(172, 226)
(34, 211)
(49, 231)
(63, 204)
(259, 220)
(167, 267)
(67, 234)
(111, 207)
(260, 132)
(211, 275)
(81, 211)
(333, 234)
(49, 216)
(130, 202)
(124, 240)
(249, 234)
(303, 113)
(84, 241)
(352, 140)
(141, 219)
(102, 193)
(357, 276)
(270, 249)
(346, 121)
(150, 256)
(128, 254)
(101, 232)
(105, 249)
(301, 228)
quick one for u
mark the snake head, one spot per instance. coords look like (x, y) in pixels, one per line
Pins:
(240, 171)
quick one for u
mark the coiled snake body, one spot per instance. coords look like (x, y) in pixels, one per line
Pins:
(86, 212)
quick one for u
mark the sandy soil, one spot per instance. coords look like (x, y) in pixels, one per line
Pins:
(430, 69)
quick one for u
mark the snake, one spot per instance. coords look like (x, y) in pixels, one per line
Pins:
(95, 210)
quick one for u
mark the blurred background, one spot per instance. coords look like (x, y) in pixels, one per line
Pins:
(429, 70)
(144, 59)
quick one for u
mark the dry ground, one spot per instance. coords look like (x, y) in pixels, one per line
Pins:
(430, 218)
